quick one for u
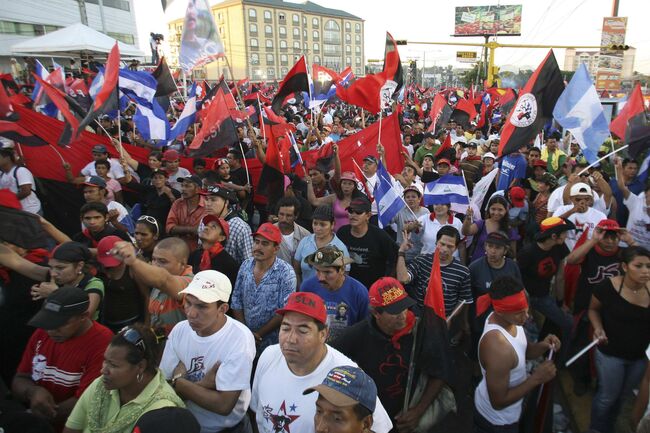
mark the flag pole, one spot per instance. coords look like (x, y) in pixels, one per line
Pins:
(604, 157)
(379, 132)
(400, 196)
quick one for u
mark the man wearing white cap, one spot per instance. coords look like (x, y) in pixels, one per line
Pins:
(580, 213)
(209, 356)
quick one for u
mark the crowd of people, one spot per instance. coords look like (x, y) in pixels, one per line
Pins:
(184, 296)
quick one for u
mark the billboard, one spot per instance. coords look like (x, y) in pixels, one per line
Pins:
(610, 63)
(488, 20)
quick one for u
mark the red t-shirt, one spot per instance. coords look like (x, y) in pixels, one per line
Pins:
(65, 369)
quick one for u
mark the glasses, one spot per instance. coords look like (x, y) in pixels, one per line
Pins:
(151, 220)
(356, 211)
(134, 337)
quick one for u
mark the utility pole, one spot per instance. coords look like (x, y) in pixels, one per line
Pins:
(82, 12)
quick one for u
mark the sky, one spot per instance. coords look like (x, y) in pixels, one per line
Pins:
(562, 22)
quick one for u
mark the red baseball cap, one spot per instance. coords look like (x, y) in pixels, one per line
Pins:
(307, 303)
(171, 155)
(608, 225)
(540, 163)
(225, 227)
(270, 232)
(444, 161)
(389, 294)
(517, 196)
(104, 248)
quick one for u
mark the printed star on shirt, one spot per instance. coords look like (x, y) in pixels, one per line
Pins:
(282, 420)
(293, 407)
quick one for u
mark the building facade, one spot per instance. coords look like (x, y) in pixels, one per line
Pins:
(573, 58)
(264, 38)
(25, 19)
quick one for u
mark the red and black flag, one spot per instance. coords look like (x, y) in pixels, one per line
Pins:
(218, 129)
(464, 113)
(165, 82)
(276, 163)
(13, 131)
(106, 99)
(297, 80)
(534, 106)
(62, 102)
(632, 124)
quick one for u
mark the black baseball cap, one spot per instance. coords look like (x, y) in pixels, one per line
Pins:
(194, 179)
(359, 204)
(61, 305)
(167, 420)
(218, 190)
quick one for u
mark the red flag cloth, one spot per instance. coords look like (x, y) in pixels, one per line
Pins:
(633, 107)
(438, 104)
(58, 98)
(296, 80)
(445, 145)
(218, 129)
(534, 105)
(572, 273)
(5, 103)
(434, 298)
(359, 175)
(464, 113)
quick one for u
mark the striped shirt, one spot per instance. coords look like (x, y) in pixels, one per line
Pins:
(455, 281)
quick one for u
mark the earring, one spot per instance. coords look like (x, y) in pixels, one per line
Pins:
(139, 377)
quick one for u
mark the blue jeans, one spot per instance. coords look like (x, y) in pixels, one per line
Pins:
(547, 306)
(481, 425)
(617, 378)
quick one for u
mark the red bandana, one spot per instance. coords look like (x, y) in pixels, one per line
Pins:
(509, 304)
(208, 254)
(410, 321)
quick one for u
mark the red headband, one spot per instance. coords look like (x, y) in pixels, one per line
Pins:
(510, 304)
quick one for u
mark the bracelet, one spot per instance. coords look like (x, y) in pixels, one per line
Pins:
(401, 254)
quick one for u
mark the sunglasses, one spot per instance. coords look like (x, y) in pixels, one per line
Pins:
(151, 220)
(134, 337)
(356, 211)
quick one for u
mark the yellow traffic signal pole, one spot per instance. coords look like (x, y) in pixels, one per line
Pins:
(493, 45)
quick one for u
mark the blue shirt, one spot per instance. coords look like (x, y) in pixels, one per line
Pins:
(259, 302)
(512, 167)
(345, 306)
(308, 246)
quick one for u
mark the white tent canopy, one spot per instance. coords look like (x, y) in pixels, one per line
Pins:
(73, 40)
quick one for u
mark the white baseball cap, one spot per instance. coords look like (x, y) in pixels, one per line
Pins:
(580, 188)
(209, 286)
(489, 155)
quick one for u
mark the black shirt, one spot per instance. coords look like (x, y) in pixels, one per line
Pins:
(375, 254)
(221, 262)
(538, 267)
(594, 269)
(91, 240)
(158, 205)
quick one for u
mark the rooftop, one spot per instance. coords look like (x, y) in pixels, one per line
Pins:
(306, 6)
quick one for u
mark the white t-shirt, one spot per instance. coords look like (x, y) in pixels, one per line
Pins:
(31, 203)
(637, 222)
(116, 171)
(233, 346)
(582, 221)
(429, 231)
(556, 200)
(277, 399)
(173, 178)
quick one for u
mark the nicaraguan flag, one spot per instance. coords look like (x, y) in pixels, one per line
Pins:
(446, 190)
(579, 110)
(187, 116)
(97, 83)
(150, 118)
(389, 203)
(643, 170)
(294, 152)
(42, 73)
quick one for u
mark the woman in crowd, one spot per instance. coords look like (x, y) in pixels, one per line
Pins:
(144, 171)
(497, 220)
(147, 233)
(620, 315)
(130, 385)
(339, 201)
(323, 226)
(426, 228)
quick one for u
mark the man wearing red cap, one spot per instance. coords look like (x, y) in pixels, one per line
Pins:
(263, 285)
(301, 360)
(213, 235)
(172, 160)
(382, 345)
(503, 350)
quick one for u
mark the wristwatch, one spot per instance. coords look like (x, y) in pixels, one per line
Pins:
(174, 379)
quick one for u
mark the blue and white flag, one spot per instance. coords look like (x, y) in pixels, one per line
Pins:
(389, 202)
(150, 118)
(579, 110)
(643, 170)
(42, 73)
(42, 102)
(446, 190)
(187, 116)
(294, 152)
(97, 83)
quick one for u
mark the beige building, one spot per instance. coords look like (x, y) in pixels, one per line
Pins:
(264, 38)
(573, 58)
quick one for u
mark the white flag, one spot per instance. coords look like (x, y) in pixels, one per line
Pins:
(481, 187)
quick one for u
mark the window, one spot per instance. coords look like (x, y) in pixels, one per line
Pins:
(282, 16)
(316, 48)
(332, 33)
(252, 28)
(314, 22)
(358, 71)
(117, 4)
(357, 39)
(306, 46)
(284, 59)
(269, 43)
(284, 71)
(283, 31)
(255, 59)
(220, 16)
(348, 38)
(270, 72)
(348, 27)
(122, 37)
(316, 59)
(267, 15)
(304, 21)
(304, 33)
(254, 43)
(315, 35)
(348, 49)
(348, 61)
(357, 49)
(252, 14)
(296, 45)
(269, 59)
(357, 28)
(358, 61)
(257, 74)
(283, 44)
(14, 28)
(296, 58)
(268, 30)
(295, 19)
(296, 32)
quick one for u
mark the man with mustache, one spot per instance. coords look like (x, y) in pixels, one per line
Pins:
(292, 233)
(263, 285)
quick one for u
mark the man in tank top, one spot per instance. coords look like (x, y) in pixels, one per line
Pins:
(503, 350)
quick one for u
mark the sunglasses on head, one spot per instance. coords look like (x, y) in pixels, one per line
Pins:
(134, 337)
(151, 220)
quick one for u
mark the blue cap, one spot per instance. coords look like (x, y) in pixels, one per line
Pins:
(347, 386)
(95, 181)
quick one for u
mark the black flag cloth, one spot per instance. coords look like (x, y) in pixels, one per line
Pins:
(534, 106)
(297, 80)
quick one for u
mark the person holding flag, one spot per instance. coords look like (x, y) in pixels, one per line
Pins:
(503, 351)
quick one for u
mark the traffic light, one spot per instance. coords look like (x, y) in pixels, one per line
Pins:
(401, 42)
(621, 47)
